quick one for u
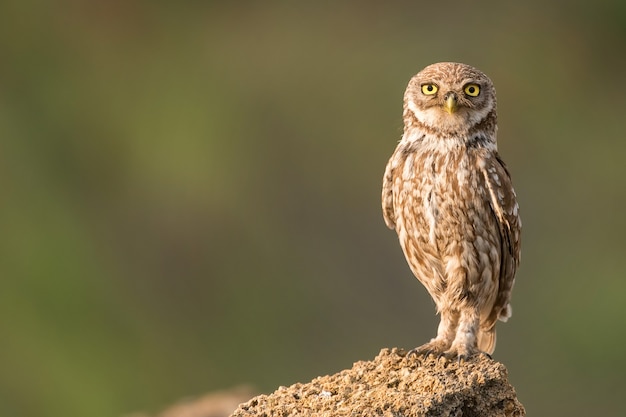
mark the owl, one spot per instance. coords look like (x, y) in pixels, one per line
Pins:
(449, 196)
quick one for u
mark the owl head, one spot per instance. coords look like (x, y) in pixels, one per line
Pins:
(450, 99)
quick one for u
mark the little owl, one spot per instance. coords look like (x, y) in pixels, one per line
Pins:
(449, 196)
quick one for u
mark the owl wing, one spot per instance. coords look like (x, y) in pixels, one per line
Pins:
(387, 194)
(504, 208)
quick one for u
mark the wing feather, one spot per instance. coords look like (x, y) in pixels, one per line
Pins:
(387, 193)
(505, 209)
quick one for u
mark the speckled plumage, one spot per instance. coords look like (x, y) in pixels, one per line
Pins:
(449, 197)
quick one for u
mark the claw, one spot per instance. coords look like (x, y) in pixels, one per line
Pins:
(486, 354)
(451, 355)
(418, 351)
(463, 354)
(412, 352)
(435, 348)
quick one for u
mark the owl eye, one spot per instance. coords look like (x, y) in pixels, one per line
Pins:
(472, 90)
(429, 89)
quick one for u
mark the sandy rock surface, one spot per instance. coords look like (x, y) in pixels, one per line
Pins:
(395, 385)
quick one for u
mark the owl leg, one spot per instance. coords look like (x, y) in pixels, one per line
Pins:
(465, 342)
(445, 335)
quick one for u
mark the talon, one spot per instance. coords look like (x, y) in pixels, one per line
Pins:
(435, 348)
(462, 353)
(417, 352)
(412, 352)
(450, 355)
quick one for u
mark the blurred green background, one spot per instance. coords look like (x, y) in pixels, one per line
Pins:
(190, 195)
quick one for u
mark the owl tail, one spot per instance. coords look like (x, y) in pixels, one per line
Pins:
(487, 340)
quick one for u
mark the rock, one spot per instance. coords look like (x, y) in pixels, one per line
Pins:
(394, 385)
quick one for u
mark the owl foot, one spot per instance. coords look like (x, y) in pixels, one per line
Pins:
(463, 353)
(434, 347)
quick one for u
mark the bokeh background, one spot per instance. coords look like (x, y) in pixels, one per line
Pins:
(190, 195)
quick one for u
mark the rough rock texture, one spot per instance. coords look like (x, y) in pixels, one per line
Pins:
(395, 385)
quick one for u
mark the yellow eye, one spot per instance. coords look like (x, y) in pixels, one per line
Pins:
(429, 89)
(472, 90)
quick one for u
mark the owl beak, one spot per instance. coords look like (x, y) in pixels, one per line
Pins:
(450, 104)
